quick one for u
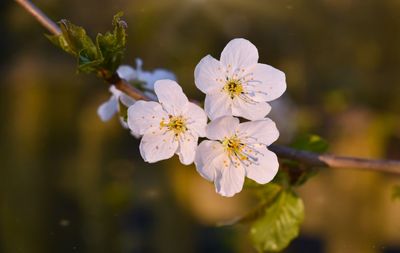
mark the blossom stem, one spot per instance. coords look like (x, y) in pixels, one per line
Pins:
(308, 158)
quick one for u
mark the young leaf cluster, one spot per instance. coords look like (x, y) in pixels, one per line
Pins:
(102, 56)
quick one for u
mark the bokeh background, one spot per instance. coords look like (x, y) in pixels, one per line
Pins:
(70, 183)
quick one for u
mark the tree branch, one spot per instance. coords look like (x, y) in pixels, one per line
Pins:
(129, 90)
(309, 158)
(333, 161)
(40, 16)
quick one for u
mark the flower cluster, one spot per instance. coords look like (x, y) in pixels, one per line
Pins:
(235, 86)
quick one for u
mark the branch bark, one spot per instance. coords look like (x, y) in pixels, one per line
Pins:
(129, 90)
(40, 16)
(334, 161)
(309, 158)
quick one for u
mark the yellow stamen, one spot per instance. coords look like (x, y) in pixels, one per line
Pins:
(177, 124)
(234, 148)
(234, 87)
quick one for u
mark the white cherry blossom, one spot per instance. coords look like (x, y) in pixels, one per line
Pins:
(109, 108)
(235, 151)
(170, 126)
(237, 84)
(144, 78)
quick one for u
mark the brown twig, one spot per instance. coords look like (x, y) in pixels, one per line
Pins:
(309, 158)
(333, 161)
(40, 16)
(131, 91)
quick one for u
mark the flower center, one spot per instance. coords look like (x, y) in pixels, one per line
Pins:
(234, 87)
(240, 153)
(235, 148)
(177, 124)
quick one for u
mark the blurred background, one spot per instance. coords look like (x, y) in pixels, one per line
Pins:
(70, 183)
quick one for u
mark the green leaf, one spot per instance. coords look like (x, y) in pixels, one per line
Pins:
(310, 142)
(279, 224)
(396, 192)
(60, 42)
(111, 46)
(76, 40)
(102, 57)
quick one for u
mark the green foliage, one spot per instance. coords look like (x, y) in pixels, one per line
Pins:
(111, 45)
(102, 57)
(396, 192)
(279, 223)
(310, 142)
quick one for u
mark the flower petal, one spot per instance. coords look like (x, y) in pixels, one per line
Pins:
(126, 72)
(158, 146)
(262, 131)
(229, 180)
(143, 116)
(117, 93)
(250, 111)
(126, 100)
(239, 53)
(187, 148)
(151, 77)
(265, 169)
(125, 125)
(209, 155)
(171, 96)
(209, 75)
(197, 119)
(151, 95)
(222, 127)
(137, 136)
(108, 109)
(267, 84)
(217, 104)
